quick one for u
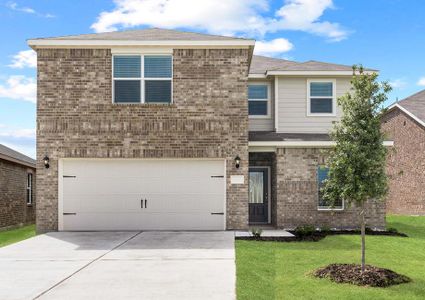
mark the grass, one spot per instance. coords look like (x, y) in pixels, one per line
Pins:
(8, 237)
(273, 270)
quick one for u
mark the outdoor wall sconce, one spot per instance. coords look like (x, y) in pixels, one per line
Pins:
(237, 161)
(46, 162)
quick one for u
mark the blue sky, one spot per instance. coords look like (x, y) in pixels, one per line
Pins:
(384, 34)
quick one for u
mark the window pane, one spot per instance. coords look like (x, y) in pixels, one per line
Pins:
(318, 89)
(257, 108)
(321, 105)
(158, 66)
(127, 66)
(158, 91)
(257, 91)
(126, 91)
(322, 175)
(256, 187)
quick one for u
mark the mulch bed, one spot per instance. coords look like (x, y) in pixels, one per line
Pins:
(318, 235)
(351, 273)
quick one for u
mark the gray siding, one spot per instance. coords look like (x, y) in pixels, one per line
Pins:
(264, 124)
(292, 106)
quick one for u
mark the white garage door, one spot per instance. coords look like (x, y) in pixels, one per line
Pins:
(119, 194)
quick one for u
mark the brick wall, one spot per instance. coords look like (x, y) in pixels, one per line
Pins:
(76, 118)
(297, 194)
(13, 190)
(405, 164)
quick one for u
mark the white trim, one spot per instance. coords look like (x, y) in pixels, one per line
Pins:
(60, 194)
(29, 188)
(71, 42)
(256, 76)
(269, 187)
(276, 102)
(255, 145)
(313, 80)
(269, 97)
(316, 73)
(408, 113)
(142, 78)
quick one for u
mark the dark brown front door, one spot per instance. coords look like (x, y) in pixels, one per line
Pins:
(258, 195)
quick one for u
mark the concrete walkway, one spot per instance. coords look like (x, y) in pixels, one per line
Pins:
(120, 265)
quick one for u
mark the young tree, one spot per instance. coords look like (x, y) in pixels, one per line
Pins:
(357, 163)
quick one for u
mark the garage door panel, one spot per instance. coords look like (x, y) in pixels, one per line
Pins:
(106, 194)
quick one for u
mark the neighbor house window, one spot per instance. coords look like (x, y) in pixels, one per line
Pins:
(142, 78)
(321, 97)
(322, 175)
(259, 100)
(29, 188)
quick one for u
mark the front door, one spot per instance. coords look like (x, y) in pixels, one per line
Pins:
(258, 195)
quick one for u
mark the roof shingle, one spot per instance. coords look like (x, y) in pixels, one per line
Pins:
(8, 153)
(415, 104)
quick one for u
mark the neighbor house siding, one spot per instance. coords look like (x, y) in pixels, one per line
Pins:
(297, 194)
(13, 195)
(267, 123)
(405, 164)
(292, 106)
(76, 118)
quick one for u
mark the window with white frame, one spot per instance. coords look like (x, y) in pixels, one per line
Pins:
(321, 97)
(259, 100)
(142, 78)
(322, 175)
(29, 188)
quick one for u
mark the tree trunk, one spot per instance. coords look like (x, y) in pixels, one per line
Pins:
(363, 233)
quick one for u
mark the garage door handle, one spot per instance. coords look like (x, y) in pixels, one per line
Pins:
(69, 214)
(141, 203)
(146, 203)
(217, 213)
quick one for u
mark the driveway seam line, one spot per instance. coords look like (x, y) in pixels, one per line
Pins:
(85, 266)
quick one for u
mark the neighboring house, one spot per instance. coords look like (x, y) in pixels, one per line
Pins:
(161, 129)
(404, 123)
(17, 192)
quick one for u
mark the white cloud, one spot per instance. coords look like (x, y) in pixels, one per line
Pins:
(26, 58)
(230, 17)
(28, 10)
(20, 88)
(304, 15)
(19, 139)
(399, 83)
(273, 47)
(421, 81)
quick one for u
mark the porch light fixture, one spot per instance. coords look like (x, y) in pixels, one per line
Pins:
(237, 161)
(46, 161)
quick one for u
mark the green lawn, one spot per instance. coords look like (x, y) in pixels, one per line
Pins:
(15, 235)
(273, 270)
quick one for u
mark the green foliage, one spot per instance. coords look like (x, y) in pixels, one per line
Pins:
(256, 232)
(392, 230)
(304, 230)
(325, 229)
(357, 163)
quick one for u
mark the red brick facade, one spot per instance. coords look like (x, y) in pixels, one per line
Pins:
(405, 164)
(13, 195)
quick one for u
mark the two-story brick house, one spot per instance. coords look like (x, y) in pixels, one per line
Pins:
(168, 130)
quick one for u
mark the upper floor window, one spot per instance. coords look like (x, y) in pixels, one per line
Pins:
(321, 97)
(29, 189)
(322, 175)
(259, 100)
(142, 78)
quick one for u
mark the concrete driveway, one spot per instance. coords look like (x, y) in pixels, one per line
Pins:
(120, 265)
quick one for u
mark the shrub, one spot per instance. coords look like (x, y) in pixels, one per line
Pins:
(256, 232)
(305, 230)
(392, 230)
(325, 229)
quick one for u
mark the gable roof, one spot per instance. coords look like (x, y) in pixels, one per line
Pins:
(267, 65)
(414, 106)
(9, 154)
(148, 36)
